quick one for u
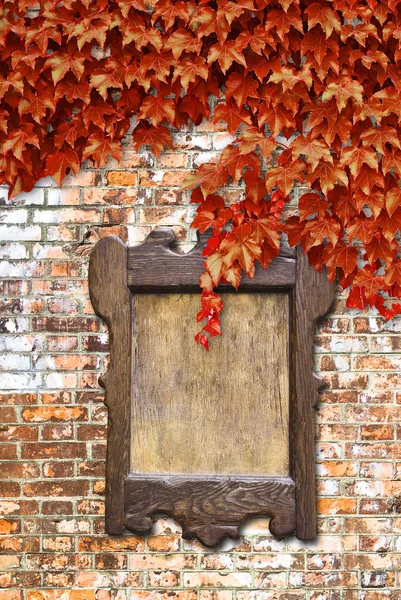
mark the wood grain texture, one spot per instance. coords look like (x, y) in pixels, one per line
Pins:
(209, 508)
(111, 301)
(219, 412)
(272, 334)
(154, 266)
(312, 298)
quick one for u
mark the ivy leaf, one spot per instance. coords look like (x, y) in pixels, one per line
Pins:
(209, 176)
(341, 255)
(37, 106)
(232, 115)
(314, 150)
(189, 70)
(102, 81)
(309, 204)
(343, 91)
(157, 109)
(100, 148)
(60, 163)
(225, 54)
(18, 139)
(285, 175)
(181, 41)
(378, 138)
(155, 137)
(241, 88)
(355, 158)
(61, 63)
(321, 14)
(252, 138)
(328, 176)
(242, 245)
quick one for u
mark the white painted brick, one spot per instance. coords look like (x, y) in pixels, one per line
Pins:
(20, 343)
(14, 325)
(34, 197)
(12, 362)
(13, 251)
(14, 216)
(45, 182)
(46, 216)
(18, 234)
(18, 381)
(17, 269)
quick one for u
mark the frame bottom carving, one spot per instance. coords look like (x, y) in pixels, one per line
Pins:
(207, 507)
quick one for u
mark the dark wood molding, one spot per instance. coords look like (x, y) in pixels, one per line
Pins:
(208, 506)
(312, 298)
(111, 300)
(155, 267)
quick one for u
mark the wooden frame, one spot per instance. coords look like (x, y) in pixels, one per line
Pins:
(208, 507)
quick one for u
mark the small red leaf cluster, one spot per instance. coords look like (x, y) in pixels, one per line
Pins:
(311, 92)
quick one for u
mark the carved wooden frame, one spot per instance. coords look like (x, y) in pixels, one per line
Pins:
(207, 507)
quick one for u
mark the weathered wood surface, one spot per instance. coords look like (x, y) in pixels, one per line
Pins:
(111, 300)
(209, 508)
(220, 412)
(219, 492)
(311, 299)
(154, 266)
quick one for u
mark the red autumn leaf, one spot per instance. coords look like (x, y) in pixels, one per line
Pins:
(243, 246)
(393, 273)
(157, 109)
(378, 138)
(342, 256)
(209, 176)
(225, 54)
(252, 138)
(169, 12)
(361, 229)
(393, 200)
(318, 231)
(155, 137)
(380, 248)
(284, 176)
(18, 139)
(314, 150)
(181, 41)
(355, 158)
(241, 88)
(369, 282)
(323, 15)
(282, 21)
(61, 163)
(37, 106)
(100, 148)
(232, 115)
(190, 70)
(61, 63)
(328, 175)
(309, 204)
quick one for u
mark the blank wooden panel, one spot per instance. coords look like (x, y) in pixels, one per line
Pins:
(224, 411)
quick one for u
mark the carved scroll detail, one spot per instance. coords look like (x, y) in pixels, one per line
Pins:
(209, 508)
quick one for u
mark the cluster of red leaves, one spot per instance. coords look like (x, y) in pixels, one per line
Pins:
(316, 85)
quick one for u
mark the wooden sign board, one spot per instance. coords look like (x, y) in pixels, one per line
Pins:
(208, 438)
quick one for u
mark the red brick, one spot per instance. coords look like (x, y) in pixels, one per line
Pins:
(54, 450)
(56, 488)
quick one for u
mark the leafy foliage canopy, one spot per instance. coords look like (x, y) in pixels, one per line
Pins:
(309, 89)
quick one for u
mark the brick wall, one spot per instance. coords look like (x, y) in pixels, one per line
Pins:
(53, 421)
